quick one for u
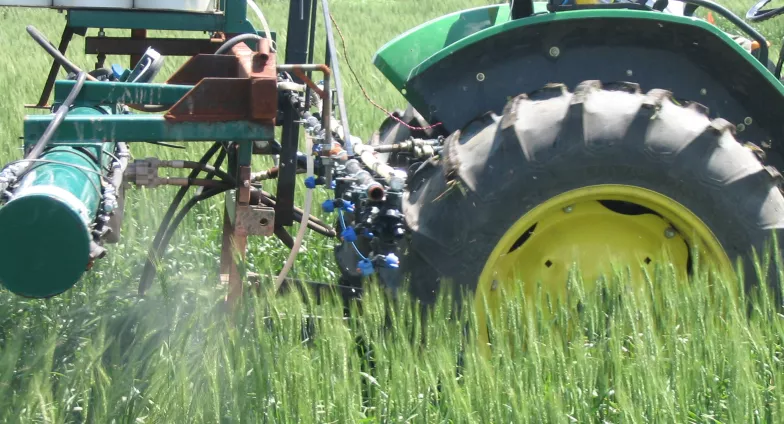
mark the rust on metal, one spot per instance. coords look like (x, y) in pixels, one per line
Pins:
(298, 72)
(260, 68)
(213, 99)
(233, 252)
(243, 196)
(165, 46)
(137, 34)
(250, 92)
(205, 66)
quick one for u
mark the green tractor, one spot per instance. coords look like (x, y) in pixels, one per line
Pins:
(538, 134)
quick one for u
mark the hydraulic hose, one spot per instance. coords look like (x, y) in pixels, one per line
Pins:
(206, 194)
(149, 269)
(58, 118)
(303, 222)
(59, 57)
(223, 49)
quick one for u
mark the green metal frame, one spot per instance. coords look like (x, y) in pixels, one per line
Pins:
(104, 92)
(88, 130)
(141, 128)
(231, 19)
(415, 51)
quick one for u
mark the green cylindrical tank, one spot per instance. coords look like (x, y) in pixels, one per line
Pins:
(45, 229)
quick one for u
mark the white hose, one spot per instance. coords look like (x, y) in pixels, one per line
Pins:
(303, 224)
(264, 24)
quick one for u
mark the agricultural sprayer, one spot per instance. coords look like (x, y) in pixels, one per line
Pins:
(537, 135)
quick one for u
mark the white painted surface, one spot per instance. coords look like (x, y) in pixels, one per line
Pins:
(103, 4)
(189, 5)
(185, 5)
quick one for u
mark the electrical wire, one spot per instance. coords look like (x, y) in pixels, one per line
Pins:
(364, 92)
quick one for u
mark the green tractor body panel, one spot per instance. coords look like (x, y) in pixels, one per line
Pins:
(422, 47)
(46, 226)
(398, 57)
(460, 66)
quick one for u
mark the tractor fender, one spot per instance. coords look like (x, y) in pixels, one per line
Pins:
(687, 56)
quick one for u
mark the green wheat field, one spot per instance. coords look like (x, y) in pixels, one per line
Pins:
(99, 354)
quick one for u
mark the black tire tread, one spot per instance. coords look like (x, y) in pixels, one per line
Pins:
(553, 140)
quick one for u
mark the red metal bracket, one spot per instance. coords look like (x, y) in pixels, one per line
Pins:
(229, 87)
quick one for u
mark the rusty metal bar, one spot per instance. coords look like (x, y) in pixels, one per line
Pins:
(164, 46)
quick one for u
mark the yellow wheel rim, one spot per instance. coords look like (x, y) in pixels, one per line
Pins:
(596, 226)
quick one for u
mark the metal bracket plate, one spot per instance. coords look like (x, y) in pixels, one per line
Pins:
(250, 220)
(255, 220)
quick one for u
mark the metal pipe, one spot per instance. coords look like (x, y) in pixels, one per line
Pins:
(338, 83)
(186, 182)
(395, 178)
(300, 70)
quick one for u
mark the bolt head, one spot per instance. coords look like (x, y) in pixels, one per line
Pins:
(669, 233)
(480, 77)
(555, 51)
(740, 127)
(568, 209)
(703, 91)
(748, 120)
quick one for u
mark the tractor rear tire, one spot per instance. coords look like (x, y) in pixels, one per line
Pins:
(495, 170)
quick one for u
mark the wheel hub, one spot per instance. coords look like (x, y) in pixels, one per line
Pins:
(598, 230)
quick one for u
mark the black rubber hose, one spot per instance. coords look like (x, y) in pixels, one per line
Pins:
(236, 40)
(148, 266)
(211, 171)
(212, 192)
(52, 50)
(59, 116)
(217, 165)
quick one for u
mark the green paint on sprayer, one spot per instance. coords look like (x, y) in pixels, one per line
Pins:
(45, 228)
